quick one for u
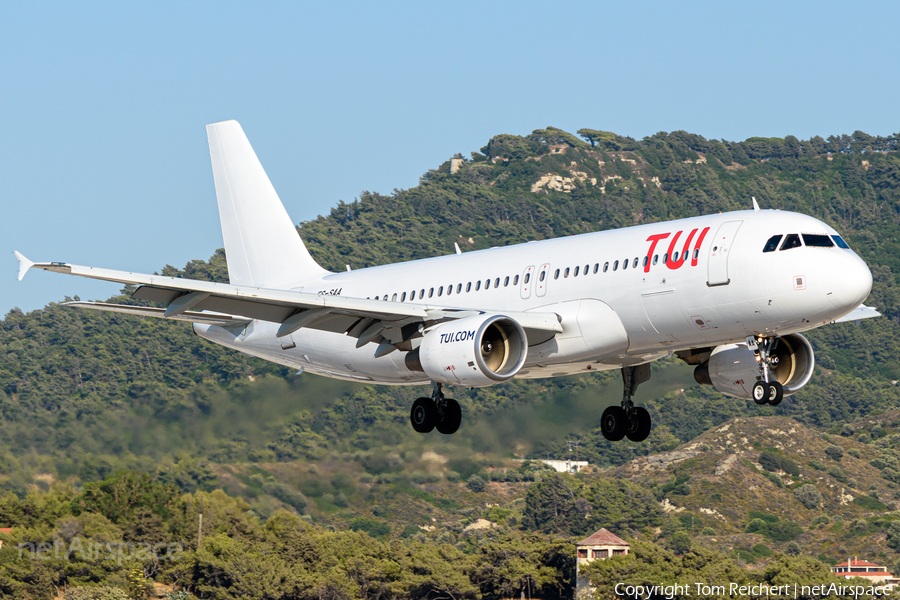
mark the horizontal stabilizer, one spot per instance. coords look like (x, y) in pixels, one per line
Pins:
(210, 318)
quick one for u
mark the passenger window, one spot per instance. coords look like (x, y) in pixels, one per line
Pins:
(624, 264)
(840, 242)
(543, 273)
(469, 287)
(394, 298)
(655, 258)
(635, 263)
(385, 298)
(556, 274)
(772, 244)
(449, 289)
(675, 257)
(596, 268)
(487, 284)
(576, 271)
(566, 272)
(516, 280)
(586, 269)
(403, 297)
(645, 261)
(477, 285)
(615, 265)
(791, 241)
(497, 282)
(377, 298)
(813, 240)
(431, 293)
(665, 258)
(459, 288)
(696, 253)
(527, 277)
(421, 294)
(506, 281)
(440, 291)
(605, 266)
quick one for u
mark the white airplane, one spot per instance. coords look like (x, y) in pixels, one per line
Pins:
(729, 293)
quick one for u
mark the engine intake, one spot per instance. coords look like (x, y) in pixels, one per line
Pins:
(732, 369)
(473, 352)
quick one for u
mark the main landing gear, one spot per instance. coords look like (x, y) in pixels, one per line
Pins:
(436, 412)
(768, 390)
(628, 420)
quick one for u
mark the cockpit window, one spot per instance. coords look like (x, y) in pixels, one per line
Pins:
(792, 240)
(840, 242)
(772, 244)
(817, 241)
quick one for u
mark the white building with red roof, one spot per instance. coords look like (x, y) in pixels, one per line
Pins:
(877, 574)
(600, 545)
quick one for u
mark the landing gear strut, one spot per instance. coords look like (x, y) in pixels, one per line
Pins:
(436, 412)
(768, 390)
(628, 420)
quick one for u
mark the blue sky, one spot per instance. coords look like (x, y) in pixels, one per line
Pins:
(103, 155)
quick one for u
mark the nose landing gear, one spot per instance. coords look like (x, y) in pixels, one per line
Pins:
(628, 420)
(769, 390)
(437, 412)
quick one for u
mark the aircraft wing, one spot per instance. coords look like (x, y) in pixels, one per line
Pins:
(367, 320)
(860, 312)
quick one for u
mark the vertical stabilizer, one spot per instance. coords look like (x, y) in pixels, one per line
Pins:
(262, 246)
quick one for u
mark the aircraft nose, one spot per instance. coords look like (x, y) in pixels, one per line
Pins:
(851, 282)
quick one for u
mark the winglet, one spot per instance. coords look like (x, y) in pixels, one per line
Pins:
(24, 264)
(755, 204)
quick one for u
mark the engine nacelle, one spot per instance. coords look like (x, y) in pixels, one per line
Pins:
(472, 352)
(732, 369)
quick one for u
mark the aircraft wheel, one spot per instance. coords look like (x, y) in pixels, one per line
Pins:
(452, 418)
(761, 391)
(613, 423)
(639, 425)
(776, 393)
(423, 415)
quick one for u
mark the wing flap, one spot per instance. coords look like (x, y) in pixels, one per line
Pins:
(209, 318)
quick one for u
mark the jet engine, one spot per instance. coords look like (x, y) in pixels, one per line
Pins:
(732, 369)
(473, 352)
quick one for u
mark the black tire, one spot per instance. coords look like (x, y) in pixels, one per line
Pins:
(423, 415)
(613, 423)
(760, 392)
(452, 418)
(776, 393)
(639, 425)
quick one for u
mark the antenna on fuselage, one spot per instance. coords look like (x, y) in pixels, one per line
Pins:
(755, 204)
(455, 245)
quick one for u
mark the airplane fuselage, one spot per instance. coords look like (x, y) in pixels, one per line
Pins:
(624, 297)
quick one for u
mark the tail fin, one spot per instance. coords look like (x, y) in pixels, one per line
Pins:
(262, 246)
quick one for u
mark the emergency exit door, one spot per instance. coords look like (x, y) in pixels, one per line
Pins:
(719, 251)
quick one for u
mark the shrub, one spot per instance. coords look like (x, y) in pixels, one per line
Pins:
(808, 495)
(837, 473)
(100, 592)
(782, 531)
(775, 479)
(816, 465)
(773, 461)
(853, 452)
(755, 526)
(371, 526)
(755, 514)
(834, 453)
(680, 542)
(870, 503)
(792, 549)
(762, 550)
(708, 531)
(821, 520)
(475, 483)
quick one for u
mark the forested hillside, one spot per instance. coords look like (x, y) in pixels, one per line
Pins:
(83, 394)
